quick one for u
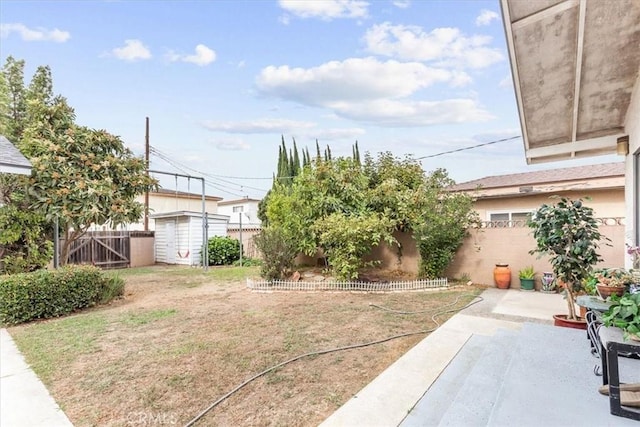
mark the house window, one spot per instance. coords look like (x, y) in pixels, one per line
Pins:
(238, 209)
(509, 219)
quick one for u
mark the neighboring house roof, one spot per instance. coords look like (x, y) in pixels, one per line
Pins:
(574, 66)
(181, 214)
(12, 160)
(184, 195)
(590, 177)
(237, 201)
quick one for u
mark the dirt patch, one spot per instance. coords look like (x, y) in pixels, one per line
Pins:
(178, 342)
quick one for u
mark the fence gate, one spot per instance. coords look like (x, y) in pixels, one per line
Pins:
(106, 249)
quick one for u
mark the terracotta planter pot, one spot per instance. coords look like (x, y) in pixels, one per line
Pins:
(606, 291)
(561, 320)
(502, 276)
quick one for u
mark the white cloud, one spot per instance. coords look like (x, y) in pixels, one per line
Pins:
(258, 126)
(202, 56)
(232, 145)
(367, 90)
(325, 9)
(506, 83)
(38, 34)
(133, 50)
(402, 4)
(355, 79)
(486, 17)
(408, 113)
(444, 46)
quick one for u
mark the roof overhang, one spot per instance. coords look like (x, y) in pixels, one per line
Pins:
(574, 65)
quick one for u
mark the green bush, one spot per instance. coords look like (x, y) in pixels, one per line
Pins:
(43, 294)
(248, 262)
(278, 252)
(223, 250)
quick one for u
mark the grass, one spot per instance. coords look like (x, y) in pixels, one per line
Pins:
(170, 350)
(53, 345)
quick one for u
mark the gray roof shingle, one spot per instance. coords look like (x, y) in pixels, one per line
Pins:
(11, 156)
(603, 170)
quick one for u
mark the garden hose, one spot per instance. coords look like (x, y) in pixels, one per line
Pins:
(476, 300)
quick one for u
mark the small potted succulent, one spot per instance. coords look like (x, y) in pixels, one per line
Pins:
(613, 281)
(527, 276)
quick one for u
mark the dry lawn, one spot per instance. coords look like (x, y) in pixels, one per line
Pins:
(181, 339)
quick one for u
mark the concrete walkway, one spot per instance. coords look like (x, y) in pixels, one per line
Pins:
(389, 397)
(24, 400)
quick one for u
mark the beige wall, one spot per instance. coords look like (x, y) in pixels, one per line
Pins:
(249, 248)
(605, 203)
(488, 246)
(142, 251)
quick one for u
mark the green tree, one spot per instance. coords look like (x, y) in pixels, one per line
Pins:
(346, 239)
(568, 233)
(15, 110)
(81, 176)
(25, 237)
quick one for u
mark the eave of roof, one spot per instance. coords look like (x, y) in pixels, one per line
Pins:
(574, 66)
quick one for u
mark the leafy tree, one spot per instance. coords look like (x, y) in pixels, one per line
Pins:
(320, 190)
(568, 233)
(81, 176)
(25, 243)
(279, 251)
(346, 239)
(14, 108)
(440, 230)
(25, 239)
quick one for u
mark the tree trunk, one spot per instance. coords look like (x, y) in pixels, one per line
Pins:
(570, 301)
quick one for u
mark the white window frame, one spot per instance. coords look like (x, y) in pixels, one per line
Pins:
(509, 212)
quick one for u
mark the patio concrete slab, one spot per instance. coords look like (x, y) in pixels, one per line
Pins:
(388, 398)
(533, 305)
(24, 400)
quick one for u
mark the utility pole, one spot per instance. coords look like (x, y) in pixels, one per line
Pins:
(146, 159)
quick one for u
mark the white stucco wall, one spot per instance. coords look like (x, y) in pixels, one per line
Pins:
(632, 128)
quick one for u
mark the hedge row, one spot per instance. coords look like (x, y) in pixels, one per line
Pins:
(43, 294)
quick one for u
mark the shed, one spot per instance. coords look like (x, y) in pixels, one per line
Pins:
(179, 235)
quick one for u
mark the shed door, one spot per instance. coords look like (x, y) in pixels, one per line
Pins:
(170, 232)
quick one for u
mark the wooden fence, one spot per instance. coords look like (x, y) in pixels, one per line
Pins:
(105, 249)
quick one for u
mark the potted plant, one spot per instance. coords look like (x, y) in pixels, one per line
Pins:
(527, 277)
(568, 233)
(613, 281)
(624, 313)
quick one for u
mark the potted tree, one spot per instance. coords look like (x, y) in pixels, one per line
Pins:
(527, 276)
(568, 233)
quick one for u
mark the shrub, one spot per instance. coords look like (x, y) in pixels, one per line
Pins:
(43, 294)
(278, 252)
(223, 250)
(248, 262)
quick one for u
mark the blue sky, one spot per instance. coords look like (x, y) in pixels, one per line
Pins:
(221, 81)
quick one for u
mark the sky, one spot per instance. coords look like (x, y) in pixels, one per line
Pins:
(223, 81)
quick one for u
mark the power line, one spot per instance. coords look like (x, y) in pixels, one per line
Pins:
(468, 148)
(175, 163)
(185, 169)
